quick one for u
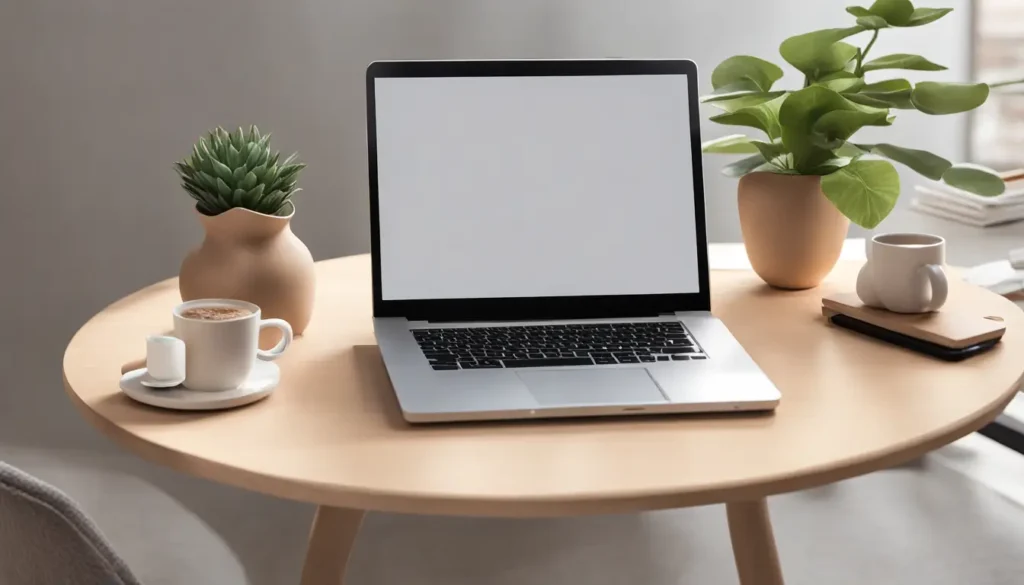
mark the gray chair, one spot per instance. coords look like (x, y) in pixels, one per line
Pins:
(45, 538)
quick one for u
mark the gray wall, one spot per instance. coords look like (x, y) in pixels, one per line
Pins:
(99, 97)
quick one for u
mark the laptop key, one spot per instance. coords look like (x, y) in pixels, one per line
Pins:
(647, 358)
(445, 367)
(675, 350)
(547, 362)
(605, 360)
(663, 358)
(628, 359)
(680, 358)
(700, 357)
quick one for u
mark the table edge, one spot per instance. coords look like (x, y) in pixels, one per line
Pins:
(584, 504)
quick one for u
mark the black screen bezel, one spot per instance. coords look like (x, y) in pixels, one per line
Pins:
(521, 308)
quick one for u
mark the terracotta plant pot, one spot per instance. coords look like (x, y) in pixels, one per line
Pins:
(253, 257)
(792, 233)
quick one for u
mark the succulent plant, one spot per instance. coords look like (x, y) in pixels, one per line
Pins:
(227, 170)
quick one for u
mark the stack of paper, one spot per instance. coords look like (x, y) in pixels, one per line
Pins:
(942, 200)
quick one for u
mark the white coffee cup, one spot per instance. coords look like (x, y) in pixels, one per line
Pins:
(220, 354)
(904, 273)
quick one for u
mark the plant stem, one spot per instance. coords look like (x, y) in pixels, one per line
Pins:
(859, 71)
(1006, 83)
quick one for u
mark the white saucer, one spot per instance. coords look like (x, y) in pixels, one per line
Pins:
(264, 378)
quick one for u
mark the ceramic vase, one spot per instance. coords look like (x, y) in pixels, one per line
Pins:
(253, 257)
(792, 233)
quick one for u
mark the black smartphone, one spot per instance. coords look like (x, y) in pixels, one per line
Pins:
(912, 343)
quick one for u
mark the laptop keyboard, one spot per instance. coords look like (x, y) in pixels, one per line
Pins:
(532, 346)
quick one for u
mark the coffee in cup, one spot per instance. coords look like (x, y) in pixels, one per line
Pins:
(222, 342)
(206, 313)
(904, 273)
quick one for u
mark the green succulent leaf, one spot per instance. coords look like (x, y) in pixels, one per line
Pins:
(895, 12)
(872, 22)
(894, 93)
(744, 166)
(237, 175)
(248, 182)
(223, 189)
(819, 53)
(922, 16)
(975, 179)
(902, 61)
(864, 191)
(940, 98)
(922, 162)
(858, 11)
(742, 68)
(234, 156)
(764, 116)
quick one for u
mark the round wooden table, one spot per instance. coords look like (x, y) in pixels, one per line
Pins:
(332, 433)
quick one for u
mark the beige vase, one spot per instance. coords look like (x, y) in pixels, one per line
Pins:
(253, 257)
(792, 233)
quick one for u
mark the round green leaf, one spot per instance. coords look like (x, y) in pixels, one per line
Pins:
(864, 191)
(764, 116)
(922, 16)
(737, 102)
(841, 81)
(858, 11)
(866, 100)
(739, 89)
(902, 61)
(872, 22)
(939, 98)
(895, 93)
(735, 69)
(819, 53)
(834, 128)
(797, 116)
(975, 179)
(895, 12)
(743, 166)
(732, 144)
(922, 162)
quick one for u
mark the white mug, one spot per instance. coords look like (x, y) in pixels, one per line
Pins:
(220, 354)
(904, 273)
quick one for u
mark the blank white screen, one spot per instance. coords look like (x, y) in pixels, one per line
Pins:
(535, 186)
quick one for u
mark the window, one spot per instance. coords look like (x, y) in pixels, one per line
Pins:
(997, 137)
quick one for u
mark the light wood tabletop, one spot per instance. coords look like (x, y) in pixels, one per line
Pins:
(332, 433)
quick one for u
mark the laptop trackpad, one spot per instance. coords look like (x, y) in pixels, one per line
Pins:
(571, 387)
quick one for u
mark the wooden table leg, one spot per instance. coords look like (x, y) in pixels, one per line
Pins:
(330, 543)
(753, 543)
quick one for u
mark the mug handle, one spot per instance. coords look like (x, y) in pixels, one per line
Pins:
(269, 355)
(940, 286)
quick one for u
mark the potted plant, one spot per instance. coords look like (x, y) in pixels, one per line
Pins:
(243, 196)
(803, 183)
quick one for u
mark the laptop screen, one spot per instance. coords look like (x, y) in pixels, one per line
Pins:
(535, 186)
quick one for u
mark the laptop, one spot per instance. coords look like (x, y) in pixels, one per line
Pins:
(539, 246)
